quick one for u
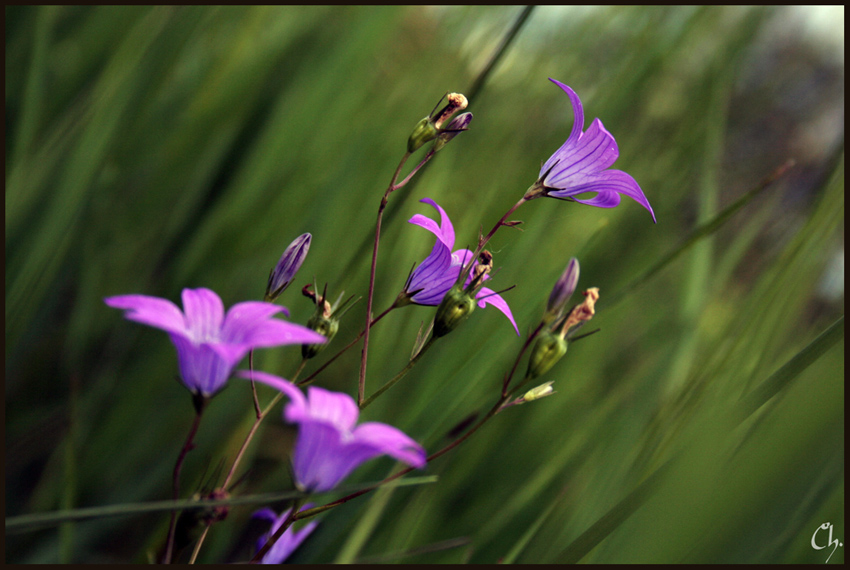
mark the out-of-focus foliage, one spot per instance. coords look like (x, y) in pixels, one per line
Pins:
(154, 148)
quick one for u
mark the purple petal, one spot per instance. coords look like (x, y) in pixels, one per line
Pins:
(578, 125)
(596, 150)
(321, 460)
(335, 408)
(427, 279)
(250, 324)
(608, 184)
(288, 541)
(151, 311)
(202, 368)
(297, 407)
(391, 441)
(487, 296)
(445, 231)
(204, 314)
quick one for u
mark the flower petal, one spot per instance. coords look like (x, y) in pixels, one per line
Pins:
(445, 231)
(151, 311)
(427, 280)
(321, 460)
(204, 314)
(202, 368)
(578, 125)
(487, 296)
(607, 184)
(288, 541)
(297, 407)
(391, 441)
(335, 408)
(595, 151)
(250, 324)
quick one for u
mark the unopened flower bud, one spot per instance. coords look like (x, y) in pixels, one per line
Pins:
(327, 326)
(458, 124)
(562, 291)
(428, 128)
(324, 321)
(290, 262)
(455, 308)
(423, 132)
(539, 392)
(547, 351)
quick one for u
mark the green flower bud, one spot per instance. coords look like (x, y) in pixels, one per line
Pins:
(423, 132)
(547, 351)
(539, 392)
(326, 326)
(455, 308)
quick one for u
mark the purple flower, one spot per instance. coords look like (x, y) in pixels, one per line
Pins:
(432, 279)
(290, 262)
(288, 541)
(209, 343)
(579, 166)
(329, 446)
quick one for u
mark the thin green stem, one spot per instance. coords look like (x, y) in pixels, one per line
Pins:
(507, 381)
(253, 385)
(398, 376)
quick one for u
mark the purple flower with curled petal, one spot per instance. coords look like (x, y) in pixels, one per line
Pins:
(432, 279)
(288, 541)
(209, 343)
(329, 444)
(579, 166)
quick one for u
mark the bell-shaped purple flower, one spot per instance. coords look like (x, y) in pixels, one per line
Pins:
(288, 541)
(209, 343)
(580, 166)
(432, 279)
(329, 444)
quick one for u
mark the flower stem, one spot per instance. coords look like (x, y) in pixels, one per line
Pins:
(361, 382)
(310, 378)
(483, 241)
(398, 376)
(507, 381)
(175, 480)
(260, 416)
(253, 385)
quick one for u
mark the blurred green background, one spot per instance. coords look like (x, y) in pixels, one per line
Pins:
(150, 149)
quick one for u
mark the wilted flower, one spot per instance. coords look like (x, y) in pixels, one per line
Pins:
(433, 278)
(329, 446)
(290, 262)
(209, 343)
(579, 166)
(288, 541)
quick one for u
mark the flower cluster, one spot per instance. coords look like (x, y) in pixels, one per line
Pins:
(330, 444)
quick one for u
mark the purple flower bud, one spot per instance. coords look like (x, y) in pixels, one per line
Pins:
(290, 262)
(563, 289)
(458, 124)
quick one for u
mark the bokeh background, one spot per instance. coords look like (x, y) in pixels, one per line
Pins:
(150, 149)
